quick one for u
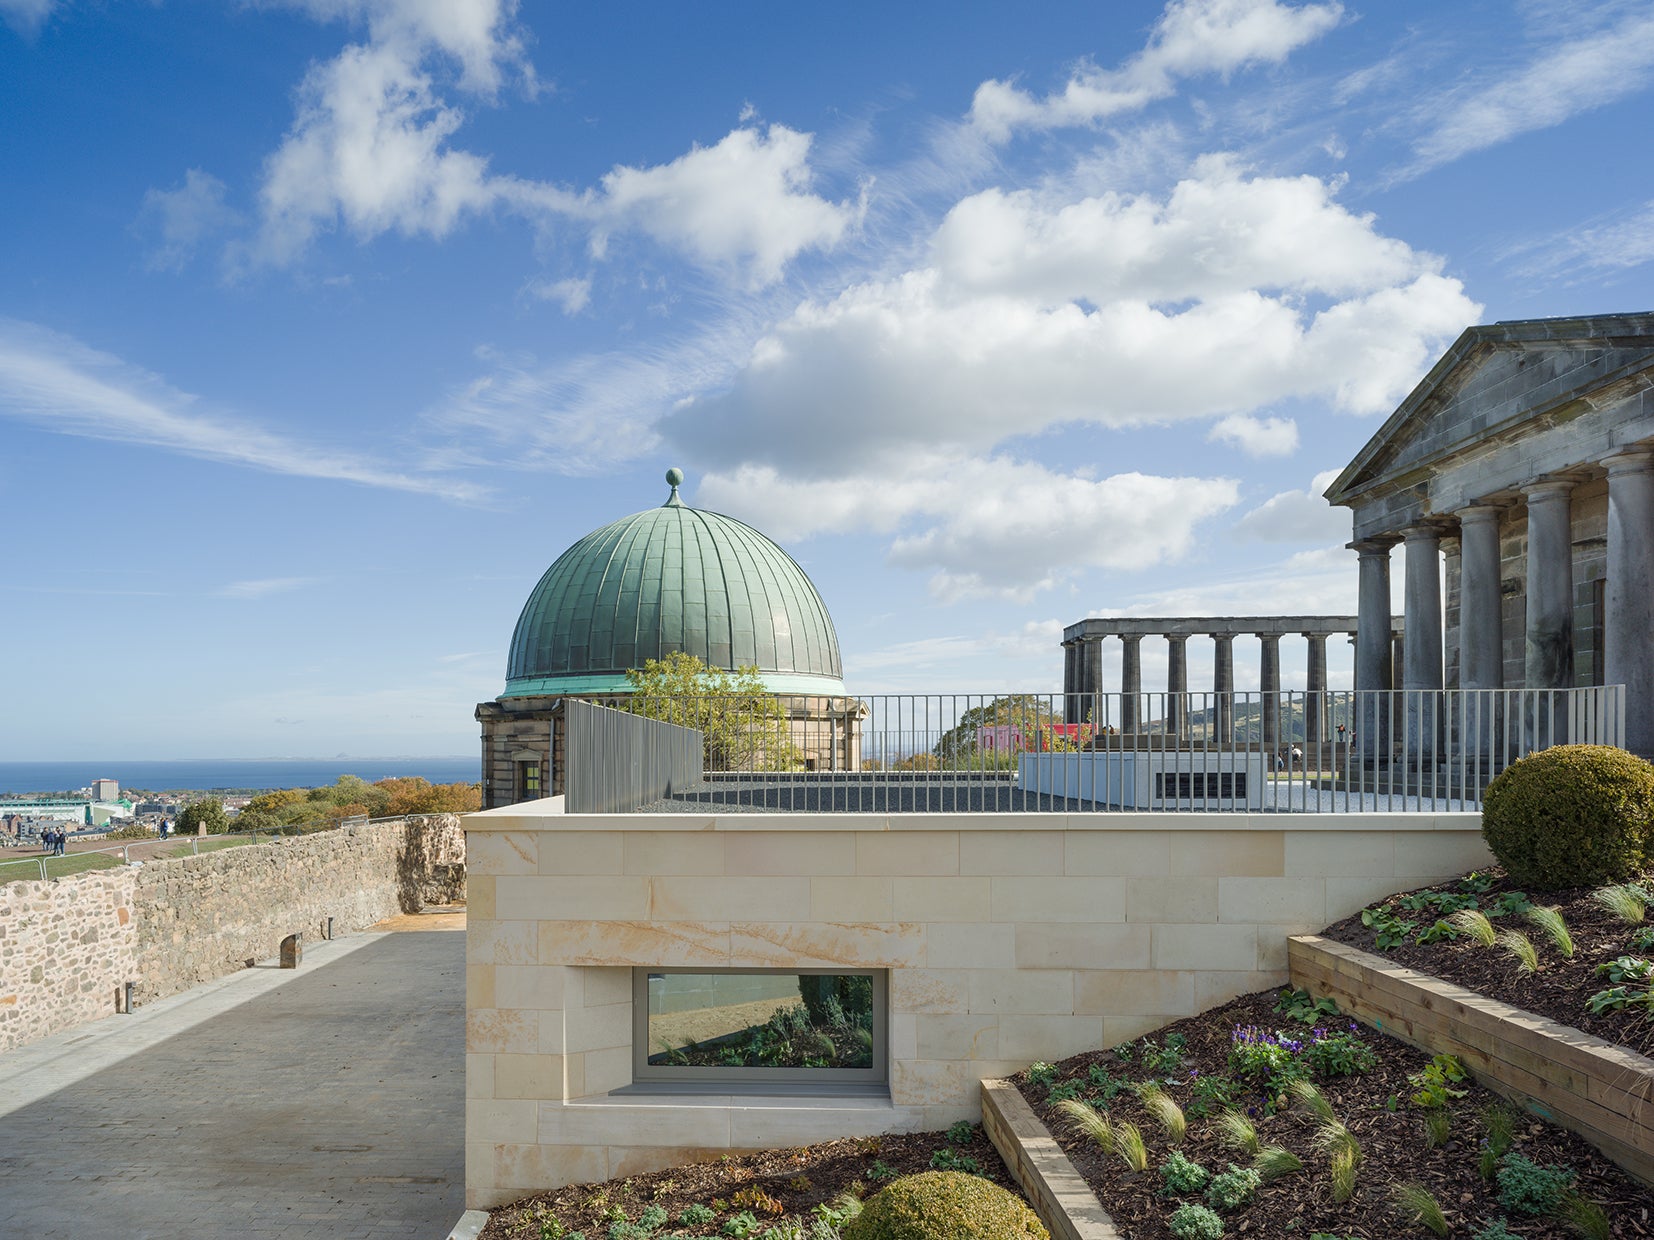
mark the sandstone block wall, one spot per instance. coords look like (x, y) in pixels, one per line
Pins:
(68, 947)
(1008, 938)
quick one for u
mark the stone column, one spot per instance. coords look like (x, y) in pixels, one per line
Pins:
(1422, 622)
(1629, 623)
(1269, 681)
(1131, 681)
(1421, 675)
(1315, 690)
(1481, 641)
(1548, 660)
(1372, 635)
(1091, 675)
(1374, 670)
(1177, 684)
(1071, 707)
(1223, 686)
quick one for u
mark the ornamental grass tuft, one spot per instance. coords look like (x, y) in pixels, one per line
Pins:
(1274, 1161)
(1555, 930)
(1521, 950)
(1164, 1109)
(1236, 1131)
(1475, 924)
(1417, 1204)
(1087, 1121)
(1626, 901)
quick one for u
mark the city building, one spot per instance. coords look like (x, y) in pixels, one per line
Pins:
(667, 579)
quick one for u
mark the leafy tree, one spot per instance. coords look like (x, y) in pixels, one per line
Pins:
(417, 795)
(1031, 718)
(745, 726)
(207, 812)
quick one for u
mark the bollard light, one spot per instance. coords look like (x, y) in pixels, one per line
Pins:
(129, 987)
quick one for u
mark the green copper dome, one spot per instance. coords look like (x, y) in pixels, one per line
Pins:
(672, 578)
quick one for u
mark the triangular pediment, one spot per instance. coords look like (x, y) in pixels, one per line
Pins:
(1499, 382)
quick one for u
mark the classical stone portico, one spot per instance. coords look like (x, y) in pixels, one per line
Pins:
(1521, 471)
(1083, 668)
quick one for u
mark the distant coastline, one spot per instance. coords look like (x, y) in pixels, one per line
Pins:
(209, 774)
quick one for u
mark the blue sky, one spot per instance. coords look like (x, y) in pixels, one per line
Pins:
(325, 325)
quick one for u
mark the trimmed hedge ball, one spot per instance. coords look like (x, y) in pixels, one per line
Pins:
(944, 1205)
(1571, 816)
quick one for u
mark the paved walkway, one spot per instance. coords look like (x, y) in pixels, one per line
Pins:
(325, 1103)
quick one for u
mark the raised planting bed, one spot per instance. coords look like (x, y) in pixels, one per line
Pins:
(1597, 1088)
(1383, 1118)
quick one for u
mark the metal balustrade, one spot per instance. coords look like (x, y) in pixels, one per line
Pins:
(1328, 752)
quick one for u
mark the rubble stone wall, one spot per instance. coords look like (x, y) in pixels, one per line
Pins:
(68, 946)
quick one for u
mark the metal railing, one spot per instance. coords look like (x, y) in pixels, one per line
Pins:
(619, 761)
(1334, 751)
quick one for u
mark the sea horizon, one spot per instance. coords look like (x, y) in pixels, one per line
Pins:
(210, 774)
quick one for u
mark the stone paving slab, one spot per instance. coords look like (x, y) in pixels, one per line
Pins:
(326, 1102)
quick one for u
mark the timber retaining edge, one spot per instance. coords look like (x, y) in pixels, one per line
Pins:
(1594, 1087)
(1058, 1193)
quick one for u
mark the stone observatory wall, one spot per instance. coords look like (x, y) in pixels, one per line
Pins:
(68, 947)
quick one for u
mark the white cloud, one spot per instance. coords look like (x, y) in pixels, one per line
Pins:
(1566, 78)
(1257, 437)
(572, 294)
(369, 149)
(1616, 243)
(1192, 37)
(179, 220)
(743, 203)
(26, 16)
(985, 527)
(1298, 516)
(479, 34)
(263, 587)
(1218, 231)
(58, 383)
(969, 352)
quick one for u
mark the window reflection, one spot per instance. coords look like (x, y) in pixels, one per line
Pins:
(760, 1020)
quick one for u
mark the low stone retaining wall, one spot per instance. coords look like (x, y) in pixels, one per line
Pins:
(1600, 1090)
(69, 946)
(1058, 1193)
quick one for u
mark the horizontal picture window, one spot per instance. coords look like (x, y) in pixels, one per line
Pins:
(819, 1026)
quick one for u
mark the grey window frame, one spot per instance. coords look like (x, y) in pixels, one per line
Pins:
(763, 1080)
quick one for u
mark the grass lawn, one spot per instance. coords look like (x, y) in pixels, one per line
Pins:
(20, 868)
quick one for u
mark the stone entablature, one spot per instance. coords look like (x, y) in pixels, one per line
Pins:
(1008, 938)
(1523, 463)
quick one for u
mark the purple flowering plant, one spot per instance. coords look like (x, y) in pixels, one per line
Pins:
(1270, 1060)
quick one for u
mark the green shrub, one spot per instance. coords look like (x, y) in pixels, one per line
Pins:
(1233, 1189)
(696, 1215)
(652, 1219)
(1496, 1230)
(1181, 1176)
(1195, 1223)
(1527, 1187)
(1570, 816)
(944, 1205)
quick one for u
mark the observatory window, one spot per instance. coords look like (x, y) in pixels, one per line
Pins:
(528, 781)
(765, 1027)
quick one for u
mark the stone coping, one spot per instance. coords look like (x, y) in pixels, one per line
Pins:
(548, 815)
(1599, 1089)
(1058, 1193)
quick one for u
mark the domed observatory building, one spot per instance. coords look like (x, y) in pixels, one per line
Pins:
(667, 579)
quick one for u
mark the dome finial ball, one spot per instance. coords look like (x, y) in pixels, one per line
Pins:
(674, 477)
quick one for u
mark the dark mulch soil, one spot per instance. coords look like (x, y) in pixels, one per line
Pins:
(1393, 1145)
(798, 1179)
(1559, 989)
